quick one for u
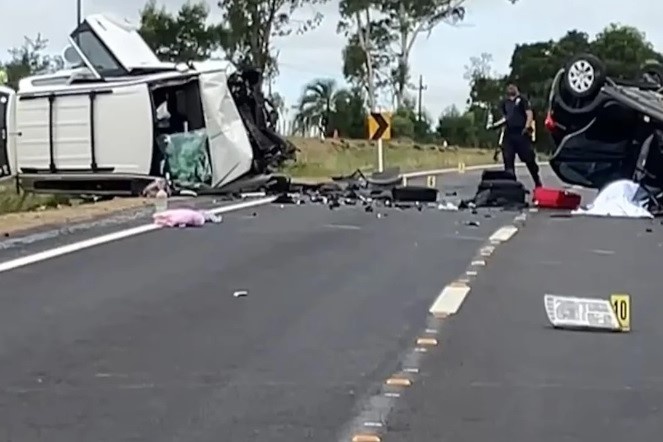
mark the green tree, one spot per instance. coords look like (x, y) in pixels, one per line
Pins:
(251, 26)
(486, 86)
(382, 34)
(181, 37)
(364, 55)
(624, 49)
(29, 59)
(456, 128)
(406, 122)
(318, 103)
(350, 114)
(406, 21)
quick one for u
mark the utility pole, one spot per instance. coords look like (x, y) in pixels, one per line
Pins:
(421, 88)
(79, 12)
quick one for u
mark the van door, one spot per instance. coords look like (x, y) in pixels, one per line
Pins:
(230, 149)
(111, 47)
(5, 162)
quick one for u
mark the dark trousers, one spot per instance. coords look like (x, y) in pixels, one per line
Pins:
(521, 145)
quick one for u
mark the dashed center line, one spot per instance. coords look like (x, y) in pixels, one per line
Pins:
(448, 302)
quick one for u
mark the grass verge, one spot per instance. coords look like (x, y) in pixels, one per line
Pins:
(324, 158)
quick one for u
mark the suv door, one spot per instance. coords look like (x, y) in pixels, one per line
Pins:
(5, 163)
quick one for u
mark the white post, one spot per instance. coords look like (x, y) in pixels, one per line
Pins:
(380, 156)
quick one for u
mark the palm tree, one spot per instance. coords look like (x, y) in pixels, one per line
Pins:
(317, 104)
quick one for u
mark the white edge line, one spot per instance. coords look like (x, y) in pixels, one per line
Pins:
(85, 244)
(424, 173)
(503, 234)
(450, 300)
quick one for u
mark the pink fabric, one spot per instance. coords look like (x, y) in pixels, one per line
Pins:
(179, 218)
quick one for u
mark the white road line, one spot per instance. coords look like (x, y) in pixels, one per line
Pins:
(503, 234)
(103, 239)
(342, 226)
(450, 170)
(450, 300)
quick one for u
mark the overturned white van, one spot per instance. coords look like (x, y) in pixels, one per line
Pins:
(107, 125)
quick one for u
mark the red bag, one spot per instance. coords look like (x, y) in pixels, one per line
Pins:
(551, 198)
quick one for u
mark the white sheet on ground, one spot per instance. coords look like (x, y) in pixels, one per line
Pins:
(622, 198)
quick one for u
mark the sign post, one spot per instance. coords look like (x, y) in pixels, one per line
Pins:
(379, 129)
(380, 156)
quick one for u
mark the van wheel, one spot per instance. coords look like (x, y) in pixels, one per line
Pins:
(584, 75)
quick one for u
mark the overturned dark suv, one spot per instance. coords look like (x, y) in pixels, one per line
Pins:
(606, 128)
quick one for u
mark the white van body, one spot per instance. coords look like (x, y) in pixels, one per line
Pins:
(93, 127)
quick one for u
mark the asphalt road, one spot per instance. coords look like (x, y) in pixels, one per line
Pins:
(143, 340)
(502, 374)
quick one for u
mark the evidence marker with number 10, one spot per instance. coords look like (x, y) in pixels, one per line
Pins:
(621, 304)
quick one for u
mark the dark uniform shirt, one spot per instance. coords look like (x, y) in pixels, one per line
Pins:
(514, 112)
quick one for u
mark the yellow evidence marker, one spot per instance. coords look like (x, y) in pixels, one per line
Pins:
(621, 304)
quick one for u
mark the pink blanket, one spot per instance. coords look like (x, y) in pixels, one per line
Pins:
(179, 218)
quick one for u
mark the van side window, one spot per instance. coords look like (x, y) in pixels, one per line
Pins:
(100, 57)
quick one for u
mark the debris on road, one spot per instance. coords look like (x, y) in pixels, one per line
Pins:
(240, 294)
(184, 218)
(622, 198)
(551, 198)
(384, 190)
(572, 312)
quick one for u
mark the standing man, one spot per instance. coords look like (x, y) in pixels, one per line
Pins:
(518, 120)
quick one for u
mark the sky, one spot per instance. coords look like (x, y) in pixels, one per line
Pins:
(492, 26)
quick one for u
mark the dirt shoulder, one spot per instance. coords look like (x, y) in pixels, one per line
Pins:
(12, 223)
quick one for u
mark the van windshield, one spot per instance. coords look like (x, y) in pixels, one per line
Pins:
(101, 59)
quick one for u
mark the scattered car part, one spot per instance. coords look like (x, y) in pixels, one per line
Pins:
(580, 313)
(500, 193)
(414, 194)
(488, 175)
(550, 198)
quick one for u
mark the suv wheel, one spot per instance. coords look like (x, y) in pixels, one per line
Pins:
(584, 75)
